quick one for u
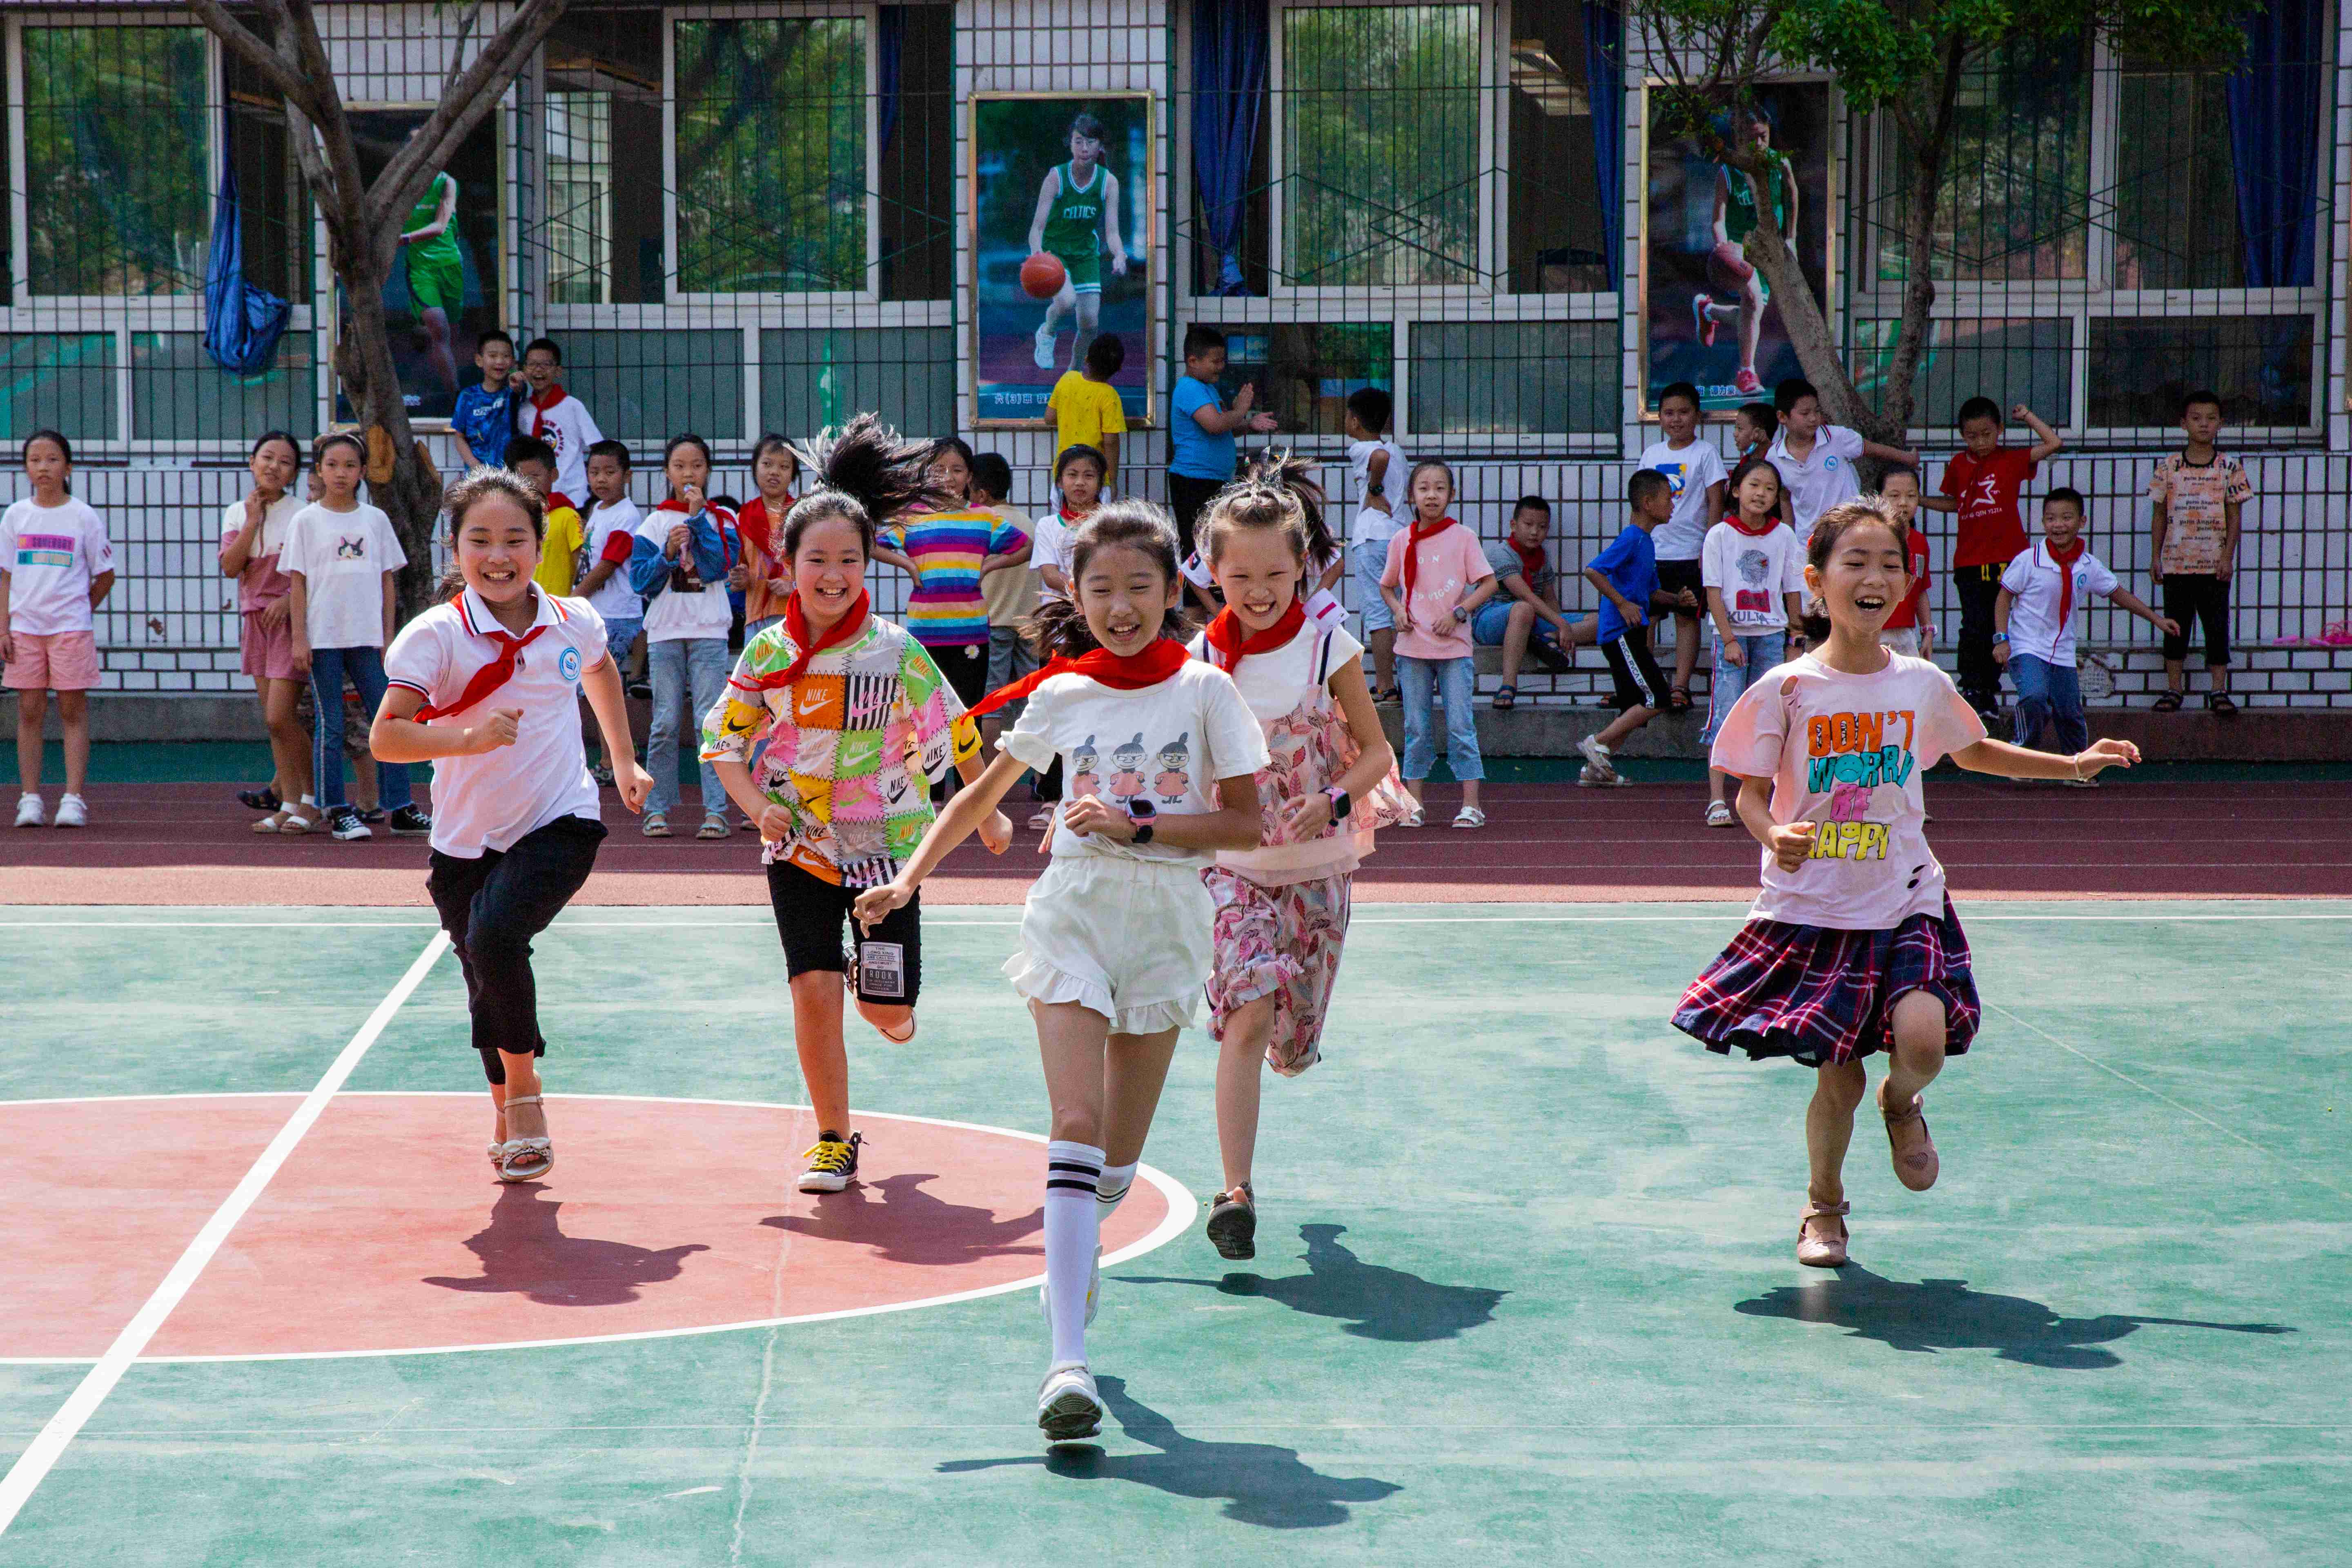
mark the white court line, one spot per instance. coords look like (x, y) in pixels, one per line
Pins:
(50, 1444)
(2159, 1094)
(1977, 914)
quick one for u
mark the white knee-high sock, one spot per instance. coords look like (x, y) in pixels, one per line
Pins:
(1073, 1230)
(1111, 1190)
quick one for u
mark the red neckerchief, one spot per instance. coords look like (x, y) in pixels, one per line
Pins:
(1531, 562)
(1412, 549)
(491, 676)
(756, 524)
(1075, 517)
(2064, 561)
(1226, 635)
(1155, 664)
(541, 402)
(796, 627)
(730, 541)
(1737, 522)
(556, 498)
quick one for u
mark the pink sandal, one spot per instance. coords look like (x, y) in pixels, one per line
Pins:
(1817, 1250)
(1916, 1162)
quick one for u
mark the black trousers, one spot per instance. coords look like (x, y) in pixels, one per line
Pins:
(1978, 587)
(1186, 497)
(492, 907)
(2202, 598)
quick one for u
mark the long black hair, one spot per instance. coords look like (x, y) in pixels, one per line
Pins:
(1835, 523)
(1059, 627)
(1745, 466)
(865, 471)
(65, 448)
(1278, 492)
(479, 484)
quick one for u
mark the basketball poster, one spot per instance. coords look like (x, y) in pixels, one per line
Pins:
(1709, 317)
(1061, 205)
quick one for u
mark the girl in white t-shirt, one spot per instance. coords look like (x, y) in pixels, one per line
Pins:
(1851, 946)
(253, 537)
(486, 685)
(57, 566)
(1752, 567)
(1115, 942)
(1330, 779)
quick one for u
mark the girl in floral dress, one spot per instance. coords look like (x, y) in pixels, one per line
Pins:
(1282, 908)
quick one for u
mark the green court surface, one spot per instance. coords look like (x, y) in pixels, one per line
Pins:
(1524, 1291)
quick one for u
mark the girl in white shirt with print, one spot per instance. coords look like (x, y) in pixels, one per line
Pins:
(1851, 946)
(1115, 942)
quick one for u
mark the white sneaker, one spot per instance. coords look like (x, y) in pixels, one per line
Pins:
(1068, 1405)
(1596, 754)
(1044, 340)
(72, 812)
(29, 812)
(1094, 1295)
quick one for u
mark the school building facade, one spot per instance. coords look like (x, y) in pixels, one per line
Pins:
(738, 217)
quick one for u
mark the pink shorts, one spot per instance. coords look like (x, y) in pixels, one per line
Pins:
(269, 651)
(61, 661)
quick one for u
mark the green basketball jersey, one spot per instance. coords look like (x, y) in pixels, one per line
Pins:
(442, 246)
(1739, 212)
(1074, 226)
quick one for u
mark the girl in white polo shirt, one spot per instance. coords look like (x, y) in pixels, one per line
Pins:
(487, 685)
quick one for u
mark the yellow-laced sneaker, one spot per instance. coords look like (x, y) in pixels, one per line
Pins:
(832, 1163)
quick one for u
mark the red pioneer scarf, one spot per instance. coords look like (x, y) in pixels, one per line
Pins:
(1227, 636)
(541, 402)
(1155, 664)
(1412, 549)
(796, 627)
(1737, 522)
(755, 525)
(1531, 562)
(2064, 561)
(488, 678)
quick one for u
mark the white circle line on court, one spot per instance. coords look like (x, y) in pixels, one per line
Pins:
(1182, 1206)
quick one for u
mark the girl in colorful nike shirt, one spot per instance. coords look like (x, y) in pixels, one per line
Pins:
(1076, 220)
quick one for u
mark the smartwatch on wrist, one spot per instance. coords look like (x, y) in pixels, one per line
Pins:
(1143, 833)
(1460, 614)
(2000, 636)
(1341, 805)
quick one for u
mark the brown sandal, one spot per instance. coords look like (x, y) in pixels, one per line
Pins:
(1819, 1249)
(1913, 1151)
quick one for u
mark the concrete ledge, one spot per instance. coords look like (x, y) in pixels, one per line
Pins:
(117, 716)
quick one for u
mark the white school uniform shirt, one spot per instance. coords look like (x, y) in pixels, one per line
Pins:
(1690, 469)
(1049, 545)
(492, 800)
(342, 556)
(1168, 744)
(1374, 526)
(53, 553)
(2039, 584)
(571, 429)
(1756, 574)
(615, 601)
(1823, 479)
(673, 616)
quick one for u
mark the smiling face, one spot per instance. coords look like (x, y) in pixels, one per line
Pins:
(273, 466)
(495, 359)
(952, 473)
(1759, 491)
(1125, 595)
(1259, 574)
(774, 473)
(497, 549)
(540, 369)
(1678, 416)
(337, 469)
(829, 568)
(2062, 520)
(1432, 493)
(687, 465)
(1863, 580)
(1081, 484)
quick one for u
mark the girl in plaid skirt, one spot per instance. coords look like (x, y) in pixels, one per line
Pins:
(1851, 946)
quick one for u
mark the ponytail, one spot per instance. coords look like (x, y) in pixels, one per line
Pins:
(865, 472)
(1278, 492)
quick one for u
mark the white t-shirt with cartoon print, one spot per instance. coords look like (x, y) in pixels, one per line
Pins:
(1755, 573)
(1690, 470)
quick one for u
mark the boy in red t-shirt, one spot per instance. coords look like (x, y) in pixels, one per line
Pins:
(1910, 629)
(1982, 485)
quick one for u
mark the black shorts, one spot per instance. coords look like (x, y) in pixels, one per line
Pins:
(2193, 598)
(966, 667)
(1634, 668)
(810, 914)
(1676, 576)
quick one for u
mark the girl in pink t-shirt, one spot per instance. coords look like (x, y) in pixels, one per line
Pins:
(1435, 577)
(1851, 946)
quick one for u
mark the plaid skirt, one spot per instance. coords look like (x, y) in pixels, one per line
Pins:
(1826, 996)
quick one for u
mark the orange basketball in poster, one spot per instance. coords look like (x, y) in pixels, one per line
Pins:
(1043, 275)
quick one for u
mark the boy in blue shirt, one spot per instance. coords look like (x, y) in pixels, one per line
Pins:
(1202, 455)
(1626, 573)
(483, 420)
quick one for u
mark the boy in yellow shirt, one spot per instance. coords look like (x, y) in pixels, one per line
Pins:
(532, 461)
(1084, 410)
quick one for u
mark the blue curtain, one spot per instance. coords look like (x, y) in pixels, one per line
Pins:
(893, 49)
(1230, 45)
(1604, 84)
(242, 323)
(2274, 114)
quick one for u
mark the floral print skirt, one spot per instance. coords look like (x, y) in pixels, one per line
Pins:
(1282, 941)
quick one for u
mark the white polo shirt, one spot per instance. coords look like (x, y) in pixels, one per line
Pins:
(2039, 582)
(1823, 479)
(489, 801)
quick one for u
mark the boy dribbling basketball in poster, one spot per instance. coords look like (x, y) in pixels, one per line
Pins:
(1077, 219)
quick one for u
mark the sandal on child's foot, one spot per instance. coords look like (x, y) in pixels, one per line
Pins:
(1505, 699)
(1914, 1152)
(2221, 705)
(1233, 1224)
(526, 1159)
(713, 827)
(1718, 815)
(1678, 700)
(1469, 817)
(1817, 1247)
(656, 825)
(2169, 702)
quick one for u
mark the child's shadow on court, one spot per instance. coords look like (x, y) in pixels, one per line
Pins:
(1262, 1484)
(1385, 1303)
(525, 1252)
(1945, 1314)
(911, 1226)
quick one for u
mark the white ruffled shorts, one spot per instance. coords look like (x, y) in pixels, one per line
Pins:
(1127, 939)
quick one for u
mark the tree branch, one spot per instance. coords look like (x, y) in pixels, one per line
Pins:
(466, 101)
(238, 38)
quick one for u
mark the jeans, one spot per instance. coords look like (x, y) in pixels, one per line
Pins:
(1978, 587)
(1369, 561)
(329, 665)
(1492, 619)
(2049, 693)
(492, 906)
(677, 665)
(620, 636)
(1453, 680)
(753, 628)
(1728, 681)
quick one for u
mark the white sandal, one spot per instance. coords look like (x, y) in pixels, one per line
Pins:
(1469, 817)
(1718, 815)
(525, 1159)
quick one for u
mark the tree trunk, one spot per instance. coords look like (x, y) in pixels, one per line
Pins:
(1928, 153)
(364, 363)
(1801, 316)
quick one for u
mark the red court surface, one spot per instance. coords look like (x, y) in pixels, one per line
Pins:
(386, 1231)
(193, 843)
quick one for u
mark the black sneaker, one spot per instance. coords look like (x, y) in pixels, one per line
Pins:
(1233, 1224)
(642, 690)
(409, 822)
(344, 822)
(833, 1162)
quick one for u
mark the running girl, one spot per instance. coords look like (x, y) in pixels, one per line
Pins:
(253, 534)
(775, 468)
(486, 686)
(1115, 938)
(828, 719)
(1851, 946)
(1282, 909)
(1077, 219)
